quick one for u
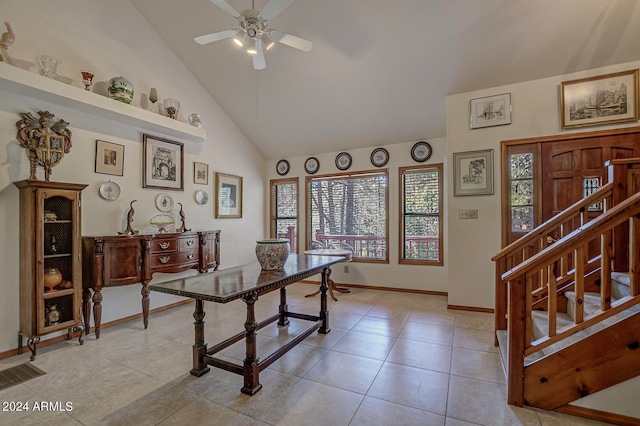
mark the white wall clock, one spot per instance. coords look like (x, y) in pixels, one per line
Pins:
(421, 151)
(379, 157)
(343, 161)
(282, 167)
(311, 165)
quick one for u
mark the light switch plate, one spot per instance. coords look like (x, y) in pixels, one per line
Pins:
(468, 214)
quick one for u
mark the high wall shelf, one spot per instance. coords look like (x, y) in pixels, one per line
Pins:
(25, 83)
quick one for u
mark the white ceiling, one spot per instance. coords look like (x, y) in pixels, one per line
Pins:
(380, 70)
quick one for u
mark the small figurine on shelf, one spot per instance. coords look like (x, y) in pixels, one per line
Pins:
(87, 79)
(130, 230)
(6, 40)
(53, 244)
(182, 220)
(52, 314)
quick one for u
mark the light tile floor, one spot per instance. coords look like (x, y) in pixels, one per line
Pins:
(390, 359)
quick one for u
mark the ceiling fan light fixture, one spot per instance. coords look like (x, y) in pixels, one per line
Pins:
(252, 49)
(240, 38)
(267, 42)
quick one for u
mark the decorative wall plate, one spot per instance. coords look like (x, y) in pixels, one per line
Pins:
(379, 157)
(343, 161)
(164, 202)
(311, 165)
(109, 191)
(282, 167)
(421, 151)
(202, 197)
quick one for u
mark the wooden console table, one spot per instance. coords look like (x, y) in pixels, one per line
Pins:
(123, 260)
(248, 283)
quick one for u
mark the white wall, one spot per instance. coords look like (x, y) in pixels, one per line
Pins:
(112, 39)
(394, 275)
(535, 112)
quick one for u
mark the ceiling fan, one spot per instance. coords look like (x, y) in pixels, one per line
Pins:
(254, 33)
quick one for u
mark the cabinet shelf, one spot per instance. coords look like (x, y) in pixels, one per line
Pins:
(46, 222)
(58, 293)
(22, 82)
(51, 256)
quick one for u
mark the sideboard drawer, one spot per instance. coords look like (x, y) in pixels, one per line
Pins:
(164, 245)
(188, 243)
(182, 258)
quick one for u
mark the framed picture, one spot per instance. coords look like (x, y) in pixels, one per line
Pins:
(473, 173)
(228, 196)
(109, 158)
(605, 99)
(491, 111)
(200, 173)
(162, 163)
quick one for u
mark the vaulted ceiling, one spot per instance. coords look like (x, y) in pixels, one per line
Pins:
(380, 70)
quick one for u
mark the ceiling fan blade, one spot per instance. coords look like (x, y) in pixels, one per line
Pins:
(210, 38)
(272, 8)
(291, 40)
(259, 63)
(227, 8)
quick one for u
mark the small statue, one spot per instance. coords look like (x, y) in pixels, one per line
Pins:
(182, 219)
(130, 230)
(6, 40)
(46, 141)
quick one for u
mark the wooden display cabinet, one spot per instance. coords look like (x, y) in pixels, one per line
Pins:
(50, 225)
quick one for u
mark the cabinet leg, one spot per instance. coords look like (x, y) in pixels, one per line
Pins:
(32, 343)
(145, 304)
(97, 310)
(20, 350)
(75, 328)
(86, 309)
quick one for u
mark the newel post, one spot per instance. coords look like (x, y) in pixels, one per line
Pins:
(516, 319)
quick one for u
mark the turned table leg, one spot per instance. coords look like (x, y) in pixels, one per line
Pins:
(283, 308)
(251, 368)
(199, 347)
(324, 313)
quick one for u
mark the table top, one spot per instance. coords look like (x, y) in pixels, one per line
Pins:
(234, 283)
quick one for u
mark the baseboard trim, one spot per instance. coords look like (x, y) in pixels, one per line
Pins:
(469, 308)
(603, 416)
(373, 287)
(57, 339)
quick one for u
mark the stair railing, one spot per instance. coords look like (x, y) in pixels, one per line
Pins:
(537, 240)
(522, 278)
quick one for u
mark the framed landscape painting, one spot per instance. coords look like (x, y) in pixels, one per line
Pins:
(605, 99)
(490, 111)
(109, 158)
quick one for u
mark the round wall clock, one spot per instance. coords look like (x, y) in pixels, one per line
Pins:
(343, 161)
(311, 165)
(379, 157)
(421, 151)
(282, 167)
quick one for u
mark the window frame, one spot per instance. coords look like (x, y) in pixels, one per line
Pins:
(273, 219)
(401, 222)
(308, 198)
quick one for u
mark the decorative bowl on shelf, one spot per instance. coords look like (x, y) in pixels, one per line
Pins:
(272, 254)
(51, 278)
(162, 222)
(50, 216)
(120, 89)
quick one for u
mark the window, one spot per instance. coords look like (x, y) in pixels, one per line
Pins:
(522, 215)
(421, 214)
(284, 211)
(349, 211)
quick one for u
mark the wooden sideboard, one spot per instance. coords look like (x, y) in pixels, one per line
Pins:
(123, 260)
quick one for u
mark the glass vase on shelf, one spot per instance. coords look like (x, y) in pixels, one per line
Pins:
(171, 107)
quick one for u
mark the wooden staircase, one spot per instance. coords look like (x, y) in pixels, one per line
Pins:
(568, 301)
